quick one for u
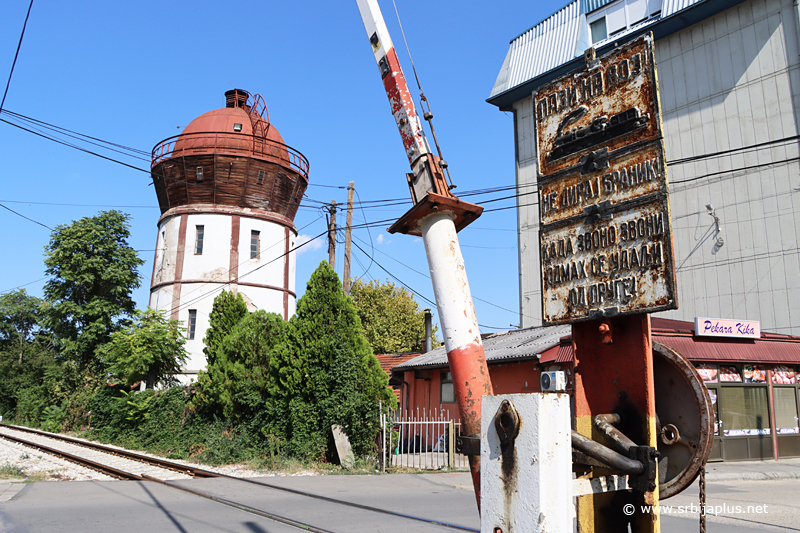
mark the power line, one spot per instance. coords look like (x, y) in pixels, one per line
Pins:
(26, 218)
(82, 205)
(16, 55)
(23, 285)
(150, 172)
(421, 295)
(225, 284)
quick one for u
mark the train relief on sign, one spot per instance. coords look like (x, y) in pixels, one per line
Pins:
(610, 104)
(606, 242)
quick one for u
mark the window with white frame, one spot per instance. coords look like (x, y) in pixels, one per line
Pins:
(616, 17)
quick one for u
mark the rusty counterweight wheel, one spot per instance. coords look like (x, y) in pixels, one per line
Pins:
(685, 420)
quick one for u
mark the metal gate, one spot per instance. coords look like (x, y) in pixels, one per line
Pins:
(421, 440)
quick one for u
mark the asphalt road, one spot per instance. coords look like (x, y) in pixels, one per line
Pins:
(100, 506)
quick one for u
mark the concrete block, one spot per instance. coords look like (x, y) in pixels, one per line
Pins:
(343, 449)
(527, 486)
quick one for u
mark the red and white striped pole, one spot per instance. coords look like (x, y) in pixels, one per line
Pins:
(462, 338)
(435, 216)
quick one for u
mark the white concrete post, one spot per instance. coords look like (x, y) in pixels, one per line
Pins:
(528, 488)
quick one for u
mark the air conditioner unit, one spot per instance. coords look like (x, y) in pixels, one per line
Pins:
(552, 381)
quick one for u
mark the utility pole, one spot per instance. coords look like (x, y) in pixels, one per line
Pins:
(332, 236)
(348, 238)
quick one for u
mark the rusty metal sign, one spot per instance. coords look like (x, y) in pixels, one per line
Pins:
(606, 240)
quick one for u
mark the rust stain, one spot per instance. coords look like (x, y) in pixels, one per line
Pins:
(605, 238)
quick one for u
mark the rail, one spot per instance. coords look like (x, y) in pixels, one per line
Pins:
(198, 472)
(192, 143)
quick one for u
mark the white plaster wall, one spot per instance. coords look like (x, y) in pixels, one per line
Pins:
(729, 81)
(214, 263)
(213, 267)
(166, 249)
(270, 264)
(161, 299)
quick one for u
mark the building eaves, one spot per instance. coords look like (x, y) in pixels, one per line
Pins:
(498, 347)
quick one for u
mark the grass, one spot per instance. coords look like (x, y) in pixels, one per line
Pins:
(12, 472)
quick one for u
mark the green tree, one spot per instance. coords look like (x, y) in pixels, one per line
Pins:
(150, 348)
(19, 320)
(93, 273)
(235, 384)
(228, 310)
(325, 373)
(390, 317)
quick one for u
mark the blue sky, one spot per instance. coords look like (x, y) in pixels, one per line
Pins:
(135, 73)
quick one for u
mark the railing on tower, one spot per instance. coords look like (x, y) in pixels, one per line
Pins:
(237, 143)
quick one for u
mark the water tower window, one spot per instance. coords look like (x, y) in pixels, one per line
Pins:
(199, 173)
(198, 240)
(260, 176)
(192, 323)
(255, 244)
(237, 127)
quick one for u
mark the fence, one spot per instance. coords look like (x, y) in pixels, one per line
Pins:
(421, 440)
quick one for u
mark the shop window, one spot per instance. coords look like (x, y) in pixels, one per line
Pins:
(783, 375)
(729, 374)
(192, 323)
(744, 411)
(755, 374)
(785, 410)
(198, 240)
(448, 392)
(713, 394)
(708, 373)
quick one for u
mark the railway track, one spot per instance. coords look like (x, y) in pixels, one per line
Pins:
(127, 465)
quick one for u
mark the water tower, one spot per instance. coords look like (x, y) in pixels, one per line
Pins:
(228, 188)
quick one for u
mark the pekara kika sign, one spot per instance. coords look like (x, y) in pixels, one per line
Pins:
(606, 240)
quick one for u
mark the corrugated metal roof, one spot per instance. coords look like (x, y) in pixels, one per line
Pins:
(562, 37)
(541, 48)
(391, 360)
(720, 349)
(770, 348)
(498, 347)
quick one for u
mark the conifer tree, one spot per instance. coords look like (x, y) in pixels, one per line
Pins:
(325, 373)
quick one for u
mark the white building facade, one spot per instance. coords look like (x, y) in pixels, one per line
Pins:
(729, 81)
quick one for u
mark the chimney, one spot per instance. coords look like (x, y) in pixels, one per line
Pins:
(428, 331)
(236, 98)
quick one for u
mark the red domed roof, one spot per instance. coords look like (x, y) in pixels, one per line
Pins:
(225, 120)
